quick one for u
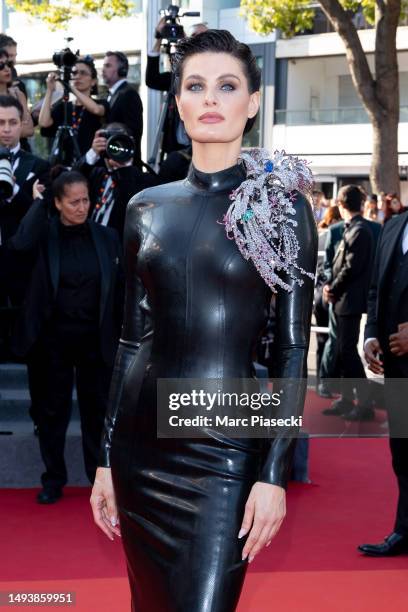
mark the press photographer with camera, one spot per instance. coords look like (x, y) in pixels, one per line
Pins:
(124, 103)
(18, 171)
(112, 186)
(84, 114)
(168, 31)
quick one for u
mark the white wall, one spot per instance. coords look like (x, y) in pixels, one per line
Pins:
(334, 148)
(317, 45)
(230, 19)
(92, 35)
(320, 77)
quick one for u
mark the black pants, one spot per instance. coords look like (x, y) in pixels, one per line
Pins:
(321, 314)
(396, 393)
(62, 354)
(349, 361)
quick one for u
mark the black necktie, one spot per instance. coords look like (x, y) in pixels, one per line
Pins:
(14, 157)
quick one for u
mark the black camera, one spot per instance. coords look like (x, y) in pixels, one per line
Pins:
(120, 146)
(65, 60)
(6, 174)
(173, 30)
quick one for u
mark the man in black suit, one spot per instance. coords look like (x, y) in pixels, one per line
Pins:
(386, 351)
(125, 105)
(14, 267)
(111, 186)
(348, 290)
(329, 356)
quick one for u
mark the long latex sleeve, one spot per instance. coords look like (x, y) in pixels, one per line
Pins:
(132, 328)
(293, 320)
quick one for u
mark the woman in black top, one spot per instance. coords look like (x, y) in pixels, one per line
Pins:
(85, 115)
(70, 321)
(8, 89)
(193, 511)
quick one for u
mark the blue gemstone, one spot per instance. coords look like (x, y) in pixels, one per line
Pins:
(248, 214)
(268, 167)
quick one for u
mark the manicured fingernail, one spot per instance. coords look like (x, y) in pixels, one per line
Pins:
(242, 532)
(268, 542)
(251, 558)
(244, 556)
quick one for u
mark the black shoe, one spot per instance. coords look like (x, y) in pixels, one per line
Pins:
(339, 407)
(49, 495)
(323, 390)
(394, 544)
(360, 413)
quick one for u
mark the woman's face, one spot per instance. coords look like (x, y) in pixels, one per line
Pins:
(74, 204)
(82, 77)
(214, 101)
(395, 205)
(5, 70)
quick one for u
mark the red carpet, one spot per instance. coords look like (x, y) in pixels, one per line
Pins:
(318, 424)
(312, 564)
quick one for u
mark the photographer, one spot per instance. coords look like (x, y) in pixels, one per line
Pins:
(84, 114)
(19, 170)
(112, 186)
(174, 137)
(125, 105)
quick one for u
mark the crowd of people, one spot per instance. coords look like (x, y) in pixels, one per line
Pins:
(61, 238)
(364, 269)
(62, 271)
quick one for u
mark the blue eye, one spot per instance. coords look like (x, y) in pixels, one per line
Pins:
(195, 87)
(228, 86)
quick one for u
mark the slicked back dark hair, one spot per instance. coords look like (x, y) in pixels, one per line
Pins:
(63, 178)
(217, 41)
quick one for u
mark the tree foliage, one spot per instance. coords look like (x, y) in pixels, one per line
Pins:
(378, 89)
(58, 14)
(293, 16)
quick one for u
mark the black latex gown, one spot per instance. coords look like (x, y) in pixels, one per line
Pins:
(181, 501)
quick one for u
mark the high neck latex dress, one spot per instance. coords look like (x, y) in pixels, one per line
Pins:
(194, 309)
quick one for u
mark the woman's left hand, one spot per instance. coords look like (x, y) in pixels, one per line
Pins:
(264, 512)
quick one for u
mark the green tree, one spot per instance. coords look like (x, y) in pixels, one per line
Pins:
(378, 89)
(58, 14)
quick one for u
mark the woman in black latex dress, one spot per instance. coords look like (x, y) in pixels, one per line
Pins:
(193, 512)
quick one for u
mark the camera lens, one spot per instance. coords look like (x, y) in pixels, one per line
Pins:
(120, 148)
(6, 174)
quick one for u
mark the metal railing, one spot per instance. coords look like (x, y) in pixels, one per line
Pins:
(328, 116)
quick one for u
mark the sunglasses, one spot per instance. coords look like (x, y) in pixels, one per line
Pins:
(79, 73)
(7, 64)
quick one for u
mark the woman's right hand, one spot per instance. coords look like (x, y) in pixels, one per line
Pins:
(52, 81)
(38, 190)
(99, 142)
(103, 503)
